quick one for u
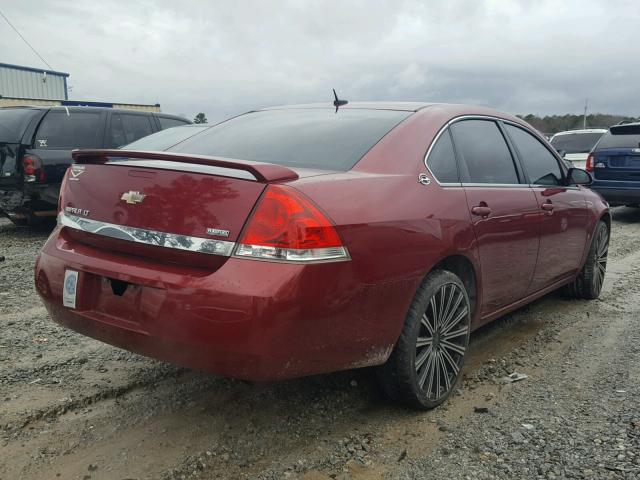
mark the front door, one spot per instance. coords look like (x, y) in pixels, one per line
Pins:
(503, 210)
(563, 236)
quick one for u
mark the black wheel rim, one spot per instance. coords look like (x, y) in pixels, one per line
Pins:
(600, 261)
(442, 341)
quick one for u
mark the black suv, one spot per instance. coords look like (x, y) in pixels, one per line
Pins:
(36, 144)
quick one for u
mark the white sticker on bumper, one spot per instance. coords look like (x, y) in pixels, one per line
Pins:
(69, 289)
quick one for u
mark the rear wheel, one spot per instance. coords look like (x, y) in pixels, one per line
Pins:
(425, 364)
(588, 283)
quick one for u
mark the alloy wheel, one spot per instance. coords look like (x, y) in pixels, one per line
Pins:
(442, 341)
(600, 260)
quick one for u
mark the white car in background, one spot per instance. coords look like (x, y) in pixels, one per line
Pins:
(575, 145)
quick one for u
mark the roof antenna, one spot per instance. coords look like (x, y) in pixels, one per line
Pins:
(338, 103)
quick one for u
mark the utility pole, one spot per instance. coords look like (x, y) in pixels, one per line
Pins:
(584, 119)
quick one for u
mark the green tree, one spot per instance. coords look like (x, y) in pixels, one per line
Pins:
(200, 118)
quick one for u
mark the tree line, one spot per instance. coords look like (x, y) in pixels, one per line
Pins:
(551, 124)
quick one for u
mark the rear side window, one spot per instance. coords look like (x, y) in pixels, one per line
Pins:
(68, 131)
(300, 137)
(14, 122)
(166, 122)
(442, 160)
(127, 128)
(483, 152)
(541, 166)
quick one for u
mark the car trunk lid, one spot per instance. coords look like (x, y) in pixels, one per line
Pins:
(168, 207)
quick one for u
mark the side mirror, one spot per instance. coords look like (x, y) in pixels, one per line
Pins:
(577, 176)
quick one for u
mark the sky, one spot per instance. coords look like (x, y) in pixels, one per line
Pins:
(227, 57)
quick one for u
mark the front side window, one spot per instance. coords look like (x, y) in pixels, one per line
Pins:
(483, 153)
(442, 160)
(541, 166)
(62, 130)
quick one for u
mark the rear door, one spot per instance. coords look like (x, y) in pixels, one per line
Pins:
(503, 210)
(127, 127)
(617, 155)
(61, 131)
(563, 234)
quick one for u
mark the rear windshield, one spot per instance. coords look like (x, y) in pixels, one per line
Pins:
(621, 139)
(575, 142)
(164, 139)
(61, 130)
(13, 123)
(313, 138)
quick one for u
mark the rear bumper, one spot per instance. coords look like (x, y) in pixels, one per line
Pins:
(249, 319)
(617, 193)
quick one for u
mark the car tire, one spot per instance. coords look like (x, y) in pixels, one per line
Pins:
(426, 362)
(588, 283)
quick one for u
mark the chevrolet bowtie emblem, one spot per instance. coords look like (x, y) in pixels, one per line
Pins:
(133, 197)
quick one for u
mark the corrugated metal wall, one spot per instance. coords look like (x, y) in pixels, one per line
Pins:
(28, 84)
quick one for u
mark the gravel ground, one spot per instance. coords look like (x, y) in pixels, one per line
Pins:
(71, 407)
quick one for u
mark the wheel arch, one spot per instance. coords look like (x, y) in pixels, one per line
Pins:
(463, 267)
(606, 218)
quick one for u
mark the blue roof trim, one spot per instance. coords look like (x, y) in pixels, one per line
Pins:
(31, 69)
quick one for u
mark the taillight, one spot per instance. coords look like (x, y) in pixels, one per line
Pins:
(589, 166)
(32, 169)
(287, 226)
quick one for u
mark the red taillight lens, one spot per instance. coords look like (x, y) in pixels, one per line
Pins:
(32, 168)
(589, 166)
(288, 226)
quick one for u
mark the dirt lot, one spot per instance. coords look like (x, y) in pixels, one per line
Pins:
(71, 407)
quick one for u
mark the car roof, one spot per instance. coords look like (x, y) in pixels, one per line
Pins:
(402, 106)
(77, 108)
(584, 130)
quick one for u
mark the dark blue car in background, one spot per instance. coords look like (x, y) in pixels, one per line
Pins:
(614, 164)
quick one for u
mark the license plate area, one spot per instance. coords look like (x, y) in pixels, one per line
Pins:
(121, 303)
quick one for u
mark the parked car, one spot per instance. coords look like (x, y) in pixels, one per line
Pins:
(36, 144)
(575, 145)
(167, 138)
(302, 240)
(615, 165)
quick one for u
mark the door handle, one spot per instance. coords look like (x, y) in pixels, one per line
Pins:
(547, 207)
(481, 210)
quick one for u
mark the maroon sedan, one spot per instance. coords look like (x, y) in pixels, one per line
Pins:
(301, 240)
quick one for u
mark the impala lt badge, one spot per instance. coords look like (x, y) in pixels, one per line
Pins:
(132, 197)
(79, 212)
(218, 232)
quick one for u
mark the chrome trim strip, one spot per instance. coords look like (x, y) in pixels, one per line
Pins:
(148, 237)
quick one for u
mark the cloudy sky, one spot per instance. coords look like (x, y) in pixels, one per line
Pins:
(225, 57)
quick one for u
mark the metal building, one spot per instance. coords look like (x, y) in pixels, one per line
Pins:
(21, 86)
(26, 82)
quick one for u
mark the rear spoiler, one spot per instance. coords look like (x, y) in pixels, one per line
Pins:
(263, 172)
(625, 129)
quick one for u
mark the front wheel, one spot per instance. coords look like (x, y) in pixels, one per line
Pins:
(588, 283)
(425, 364)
